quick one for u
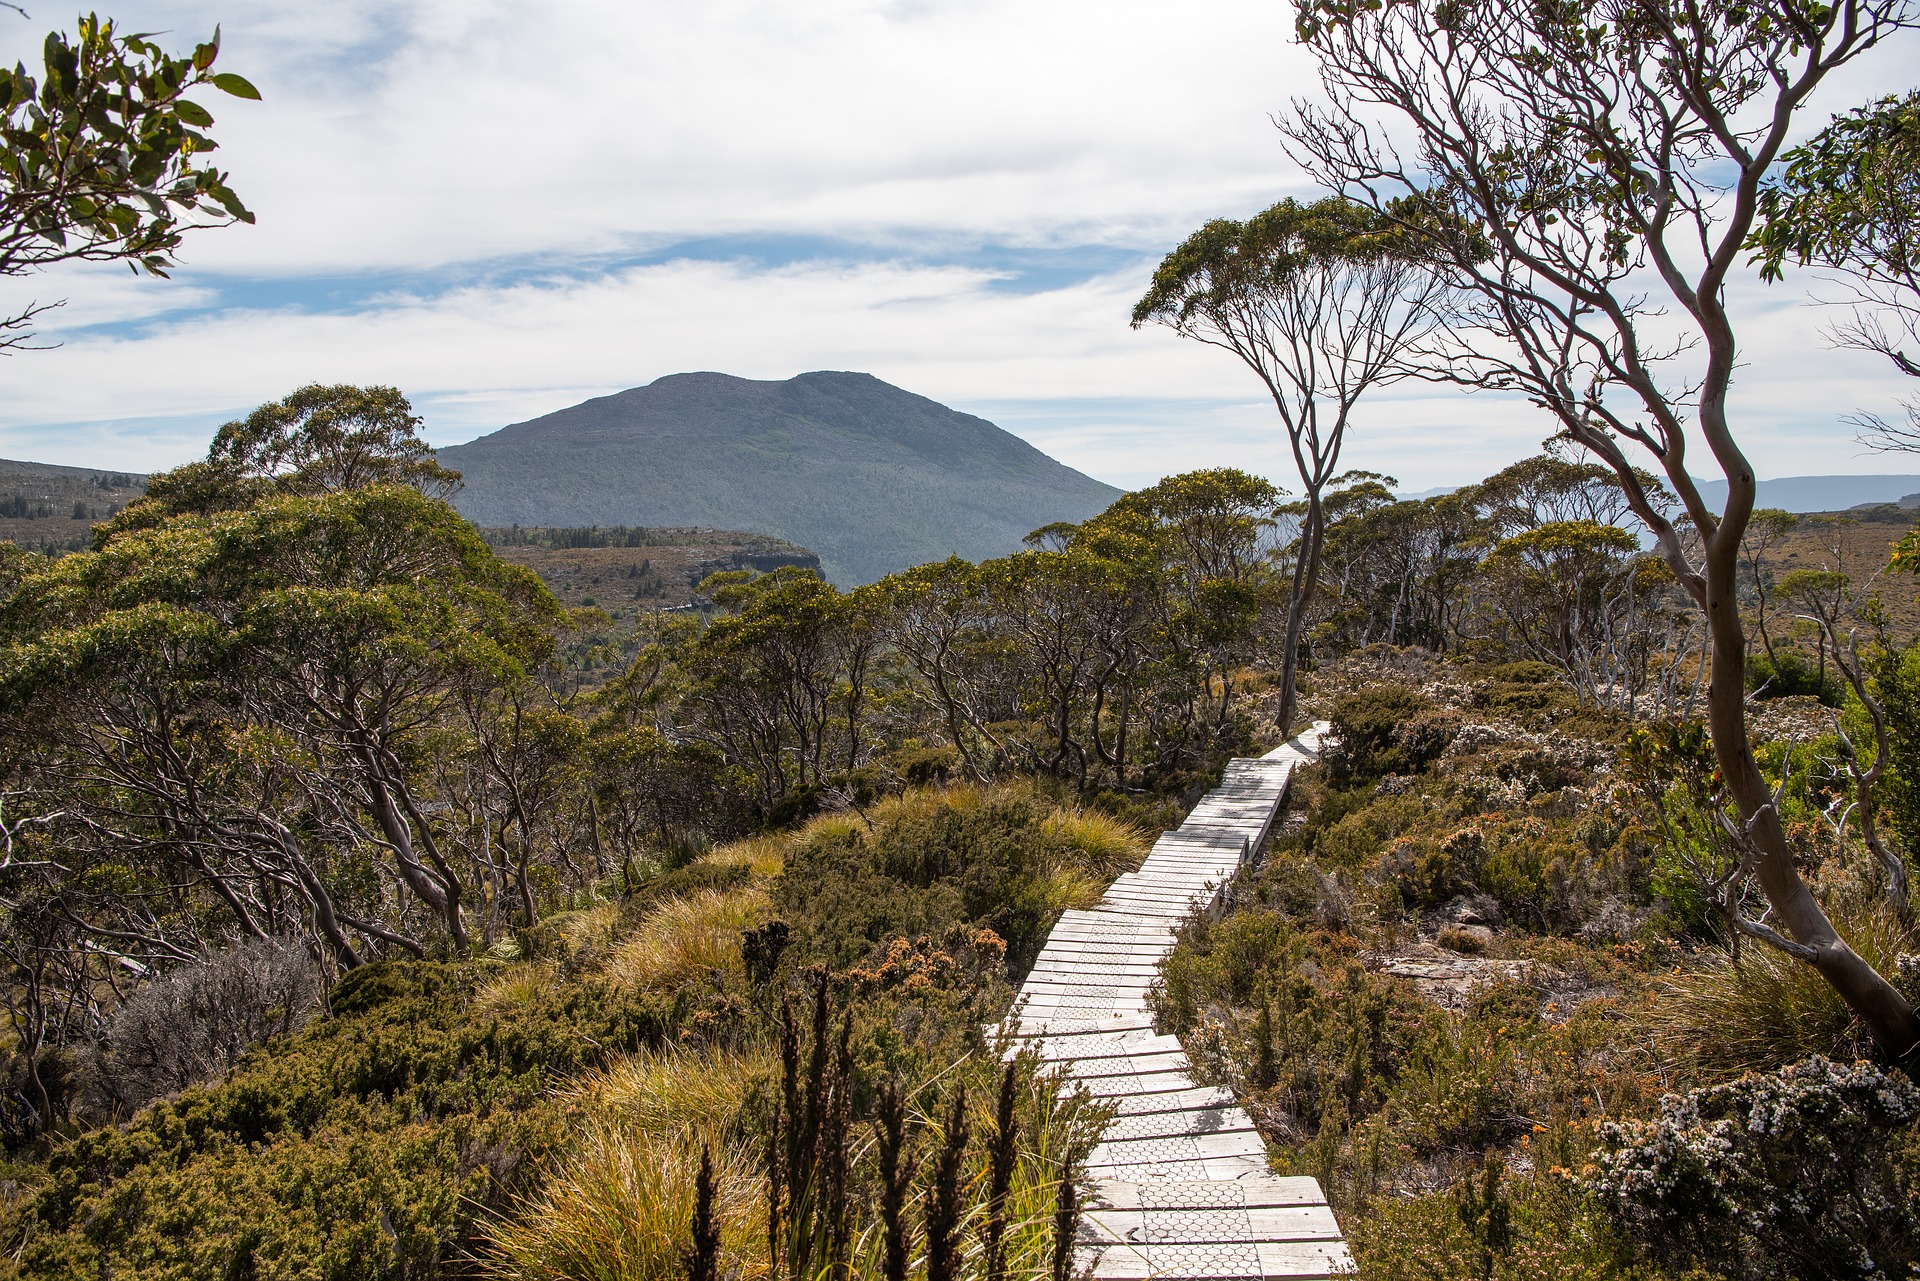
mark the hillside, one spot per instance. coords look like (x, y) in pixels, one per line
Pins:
(872, 478)
(632, 571)
(48, 508)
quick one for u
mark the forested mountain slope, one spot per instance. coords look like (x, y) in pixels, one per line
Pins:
(873, 478)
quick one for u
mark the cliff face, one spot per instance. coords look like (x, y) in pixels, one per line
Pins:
(870, 477)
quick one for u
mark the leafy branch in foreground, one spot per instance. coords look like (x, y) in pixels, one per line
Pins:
(101, 159)
(1850, 201)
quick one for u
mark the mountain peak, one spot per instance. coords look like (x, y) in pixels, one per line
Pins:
(872, 477)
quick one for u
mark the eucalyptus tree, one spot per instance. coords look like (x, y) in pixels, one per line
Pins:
(1545, 490)
(779, 683)
(101, 156)
(1400, 571)
(1591, 172)
(233, 706)
(323, 439)
(936, 617)
(1045, 605)
(1571, 594)
(1322, 302)
(1204, 539)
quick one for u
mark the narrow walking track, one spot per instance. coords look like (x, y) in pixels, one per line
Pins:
(1181, 1181)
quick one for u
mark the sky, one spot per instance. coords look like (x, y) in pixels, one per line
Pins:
(506, 208)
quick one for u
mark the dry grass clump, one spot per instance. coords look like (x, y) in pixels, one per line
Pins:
(589, 929)
(686, 937)
(921, 803)
(1768, 1008)
(661, 1092)
(1097, 843)
(618, 1207)
(618, 1210)
(1068, 888)
(520, 986)
(1087, 850)
(763, 855)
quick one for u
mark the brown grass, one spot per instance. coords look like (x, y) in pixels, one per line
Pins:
(1768, 1008)
(686, 937)
(619, 1210)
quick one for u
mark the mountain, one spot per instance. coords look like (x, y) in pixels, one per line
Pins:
(1819, 493)
(872, 478)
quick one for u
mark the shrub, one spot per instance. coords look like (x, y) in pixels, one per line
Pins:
(1551, 1232)
(196, 1022)
(1531, 693)
(1813, 1170)
(1791, 673)
(1002, 858)
(1366, 732)
(372, 1144)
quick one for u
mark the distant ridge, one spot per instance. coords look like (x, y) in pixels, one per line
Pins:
(872, 478)
(1819, 493)
(1793, 493)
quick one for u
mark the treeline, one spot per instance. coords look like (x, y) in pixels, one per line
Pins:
(24, 507)
(572, 537)
(292, 695)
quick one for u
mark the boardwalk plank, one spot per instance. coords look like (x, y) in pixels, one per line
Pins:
(1182, 1186)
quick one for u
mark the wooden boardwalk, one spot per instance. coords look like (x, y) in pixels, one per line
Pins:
(1181, 1181)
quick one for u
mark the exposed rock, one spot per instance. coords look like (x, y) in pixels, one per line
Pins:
(1472, 909)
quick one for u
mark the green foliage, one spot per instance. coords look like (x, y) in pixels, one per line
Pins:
(1897, 677)
(1227, 264)
(974, 860)
(1368, 741)
(1789, 673)
(327, 439)
(375, 1144)
(1847, 196)
(101, 155)
(1551, 1231)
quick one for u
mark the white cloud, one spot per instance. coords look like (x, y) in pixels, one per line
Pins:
(1060, 366)
(409, 134)
(407, 145)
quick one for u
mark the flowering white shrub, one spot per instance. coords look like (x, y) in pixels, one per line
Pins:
(1803, 1172)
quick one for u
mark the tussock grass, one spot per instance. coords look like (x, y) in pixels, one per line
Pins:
(590, 929)
(618, 1210)
(1098, 843)
(762, 855)
(686, 937)
(662, 1092)
(1066, 888)
(521, 986)
(1768, 1008)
